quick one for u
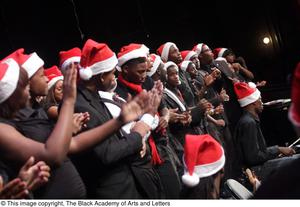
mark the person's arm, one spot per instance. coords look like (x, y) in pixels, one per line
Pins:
(247, 73)
(97, 133)
(19, 148)
(253, 154)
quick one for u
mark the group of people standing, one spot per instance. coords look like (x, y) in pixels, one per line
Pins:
(175, 124)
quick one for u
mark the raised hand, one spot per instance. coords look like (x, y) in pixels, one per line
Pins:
(133, 109)
(14, 189)
(70, 83)
(34, 175)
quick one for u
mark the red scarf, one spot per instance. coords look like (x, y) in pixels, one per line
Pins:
(156, 160)
(137, 88)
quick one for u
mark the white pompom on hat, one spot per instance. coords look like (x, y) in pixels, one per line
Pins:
(203, 157)
(96, 58)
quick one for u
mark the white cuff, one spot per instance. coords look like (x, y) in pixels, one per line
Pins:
(147, 119)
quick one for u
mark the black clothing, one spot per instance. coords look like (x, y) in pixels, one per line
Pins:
(177, 129)
(284, 183)
(34, 123)
(165, 173)
(105, 168)
(251, 142)
(186, 89)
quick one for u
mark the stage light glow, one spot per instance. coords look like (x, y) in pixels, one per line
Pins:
(266, 40)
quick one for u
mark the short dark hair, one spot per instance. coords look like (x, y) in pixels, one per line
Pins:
(228, 52)
(9, 107)
(135, 61)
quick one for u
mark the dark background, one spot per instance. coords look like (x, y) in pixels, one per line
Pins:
(49, 26)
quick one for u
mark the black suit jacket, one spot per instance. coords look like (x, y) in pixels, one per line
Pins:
(106, 167)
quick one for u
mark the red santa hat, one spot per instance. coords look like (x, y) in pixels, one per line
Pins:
(164, 50)
(31, 63)
(200, 47)
(53, 74)
(70, 56)
(9, 77)
(96, 58)
(132, 51)
(184, 64)
(219, 52)
(169, 64)
(188, 54)
(156, 62)
(294, 111)
(203, 157)
(246, 93)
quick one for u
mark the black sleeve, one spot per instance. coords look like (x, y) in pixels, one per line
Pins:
(253, 154)
(197, 115)
(115, 149)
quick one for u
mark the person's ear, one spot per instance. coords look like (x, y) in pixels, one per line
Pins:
(125, 69)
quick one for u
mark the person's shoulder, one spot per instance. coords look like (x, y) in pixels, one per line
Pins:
(246, 118)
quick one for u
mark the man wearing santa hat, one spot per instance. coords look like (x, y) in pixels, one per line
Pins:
(284, 183)
(132, 80)
(249, 139)
(106, 168)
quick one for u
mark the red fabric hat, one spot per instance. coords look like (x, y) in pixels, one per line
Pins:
(132, 51)
(163, 50)
(68, 57)
(203, 157)
(187, 54)
(246, 93)
(96, 58)
(200, 47)
(31, 63)
(218, 52)
(156, 62)
(53, 74)
(9, 77)
(294, 111)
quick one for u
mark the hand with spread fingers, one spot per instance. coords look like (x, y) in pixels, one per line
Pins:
(34, 175)
(15, 189)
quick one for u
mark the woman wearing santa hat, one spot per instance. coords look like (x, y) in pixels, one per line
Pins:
(36, 135)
